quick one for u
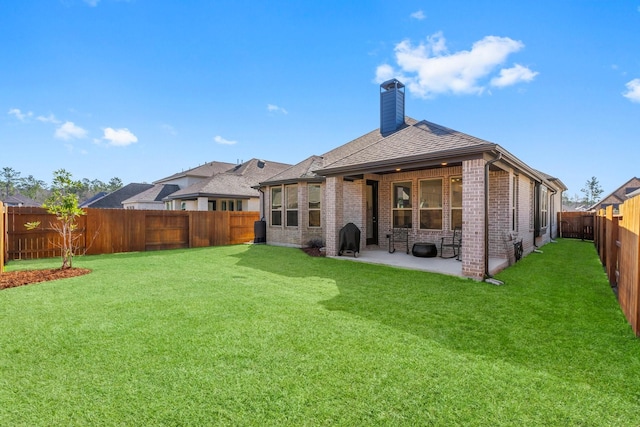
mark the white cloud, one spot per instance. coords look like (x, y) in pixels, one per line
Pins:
(92, 3)
(419, 15)
(272, 108)
(633, 90)
(511, 76)
(48, 119)
(428, 69)
(169, 129)
(386, 72)
(19, 114)
(68, 130)
(119, 137)
(221, 140)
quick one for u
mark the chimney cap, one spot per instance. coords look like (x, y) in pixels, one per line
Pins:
(392, 84)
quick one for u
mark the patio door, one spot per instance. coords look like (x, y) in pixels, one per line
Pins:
(372, 212)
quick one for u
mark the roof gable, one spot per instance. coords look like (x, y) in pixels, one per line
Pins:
(620, 194)
(237, 182)
(153, 194)
(303, 170)
(202, 171)
(418, 139)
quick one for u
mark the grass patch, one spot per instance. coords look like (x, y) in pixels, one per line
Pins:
(258, 335)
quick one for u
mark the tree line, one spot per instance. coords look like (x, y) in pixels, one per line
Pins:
(13, 183)
(592, 192)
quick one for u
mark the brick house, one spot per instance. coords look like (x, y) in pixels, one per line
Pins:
(214, 186)
(617, 197)
(419, 175)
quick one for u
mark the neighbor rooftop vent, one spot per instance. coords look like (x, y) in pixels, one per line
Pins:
(391, 106)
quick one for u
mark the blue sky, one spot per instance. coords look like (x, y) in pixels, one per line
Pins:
(142, 89)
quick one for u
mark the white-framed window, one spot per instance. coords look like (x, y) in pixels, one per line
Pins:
(430, 197)
(183, 206)
(225, 205)
(402, 208)
(315, 201)
(276, 205)
(291, 193)
(455, 202)
(514, 203)
(544, 206)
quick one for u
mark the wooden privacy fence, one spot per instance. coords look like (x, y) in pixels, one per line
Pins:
(618, 245)
(105, 231)
(2, 236)
(576, 225)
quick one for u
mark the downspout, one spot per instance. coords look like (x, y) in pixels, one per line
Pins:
(262, 209)
(488, 276)
(551, 208)
(560, 220)
(536, 216)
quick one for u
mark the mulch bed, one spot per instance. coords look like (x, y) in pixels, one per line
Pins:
(313, 251)
(13, 279)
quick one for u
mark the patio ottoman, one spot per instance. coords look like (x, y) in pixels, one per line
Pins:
(424, 250)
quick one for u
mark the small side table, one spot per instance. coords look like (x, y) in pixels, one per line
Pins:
(424, 250)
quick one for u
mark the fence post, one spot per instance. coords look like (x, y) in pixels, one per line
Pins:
(2, 236)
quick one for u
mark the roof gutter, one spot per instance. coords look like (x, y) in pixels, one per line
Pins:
(487, 276)
(458, 154)
(193, 196)
(318, 179)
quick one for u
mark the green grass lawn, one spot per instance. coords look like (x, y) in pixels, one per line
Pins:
(258, 335)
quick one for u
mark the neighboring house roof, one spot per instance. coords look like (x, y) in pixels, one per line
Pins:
(237, 182)
(416, 144)
(92, 199)
(203, 171)
(20, 200)
(114, 199)
(619, 195)
(154, 194)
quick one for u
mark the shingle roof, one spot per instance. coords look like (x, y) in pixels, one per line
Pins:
(20, 200)
(92, 199)
(303, 170)
(360, 143)
(202, 171)
(237, 182)
(416, 144)
(153, 194)
(114, 199)
(550, 178)
(413, 140)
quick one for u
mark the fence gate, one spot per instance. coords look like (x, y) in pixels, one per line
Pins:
(576, 225)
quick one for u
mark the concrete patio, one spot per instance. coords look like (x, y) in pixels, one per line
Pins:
(400, 259)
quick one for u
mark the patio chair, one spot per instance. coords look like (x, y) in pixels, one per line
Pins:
(398, 236)
(453, 242)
